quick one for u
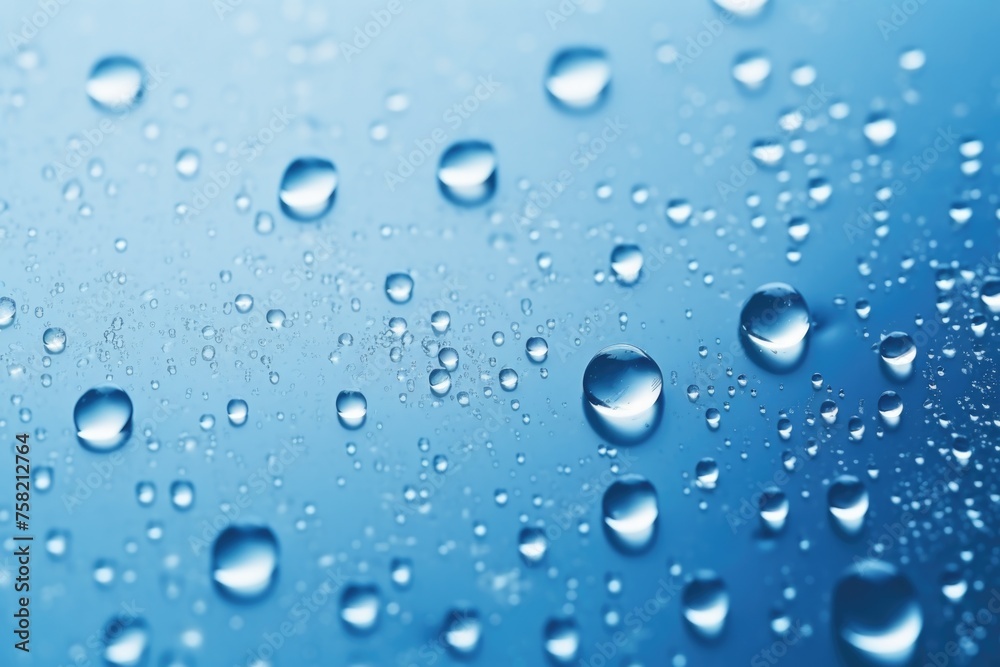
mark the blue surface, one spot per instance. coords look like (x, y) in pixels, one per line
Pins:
(684, 129)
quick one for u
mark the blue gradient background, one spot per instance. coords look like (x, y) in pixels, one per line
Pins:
(479, 264)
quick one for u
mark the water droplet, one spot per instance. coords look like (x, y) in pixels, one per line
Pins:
(953, 583)
(774, 325)
(440, 381)
(182, 495)
(879, 129)
(626, 262)
(116, 83)
(448, 357)
(744, 9)
(243, 303)
(705, 604)
(561, 640)
(679, 211)
(622, 386)
(399, 287)
(308, 188)
(537, 349)
(126, 641)
(360, 605)
(898, 352)
(773, 505)
(401, 572)
(352, 408)
(847, 500)
(508, 379)
(630, 509)
(876, 614)
(532, 544)
(237, 411)
(462, 632)
(245, 562)
(187, 163)
(990, 295)
(579, 78)
(103, 418)
(440, 321)
(54, 340)
(467, 173)
(752, 70)
(706, 473)
(8, 311)
(890, 408)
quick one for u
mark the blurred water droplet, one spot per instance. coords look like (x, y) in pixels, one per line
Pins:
(116, 83)
(467, 173)
(360, 605)
(705, 604)
(578, 78)
(245, 562)
(876, 614)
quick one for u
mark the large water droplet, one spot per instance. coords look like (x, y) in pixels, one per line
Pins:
(898, 352)
(774, 325)
(103, 418)
(630, 509)
(245, 562)
(399, 287)
(54, 340)
(467, 173)
(237, 411)
(705, 604)
(579, 78)
(876, 614)
(622, 387)
(360, 605)
(116, 83)
(626, 262)
(462, 632)
(8, 311)
(352, 408)
(847, 500)
(308, 188)
(890, 408)
(126, 641)
(561, 640)
(773, 505)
